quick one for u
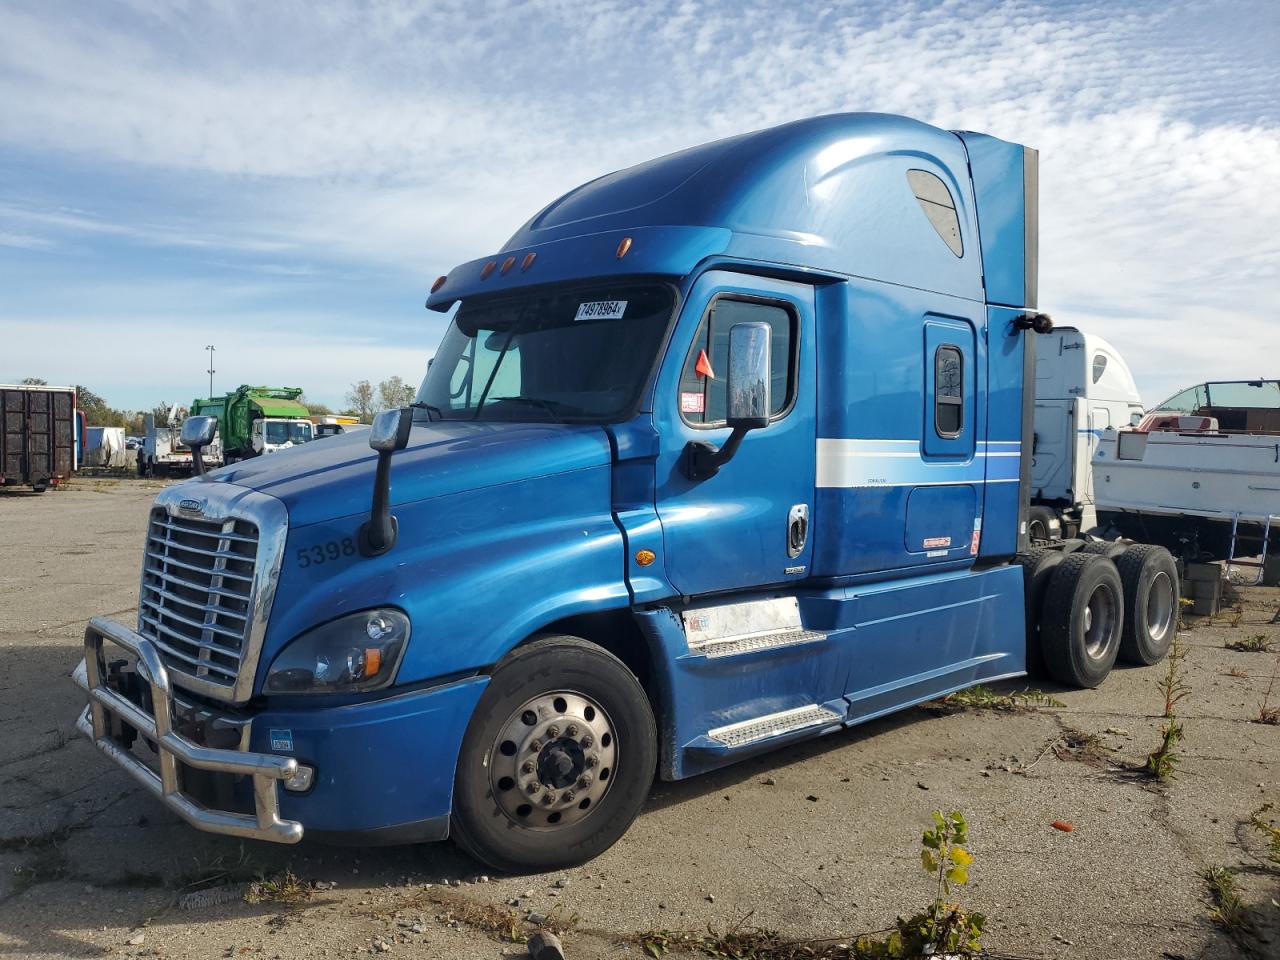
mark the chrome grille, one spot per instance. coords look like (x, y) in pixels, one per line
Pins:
(196, 600)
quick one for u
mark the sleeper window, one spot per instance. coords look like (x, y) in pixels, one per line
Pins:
(948, 407)
(936, 202)
(702, 382)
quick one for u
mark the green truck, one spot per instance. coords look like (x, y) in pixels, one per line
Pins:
(257, 420)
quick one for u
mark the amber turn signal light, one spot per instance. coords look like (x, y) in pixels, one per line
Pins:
(438, 284)
(645, 557)
(527, 262)
(623, 246)
(488, 269)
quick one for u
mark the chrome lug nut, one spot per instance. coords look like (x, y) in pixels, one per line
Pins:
(568, 796)
(553, 731)
(588, 741)
(592, 760)
(533, 788)
(571, 730)
(526, 767)
(584, 781)
(535, 746)
(548, 799)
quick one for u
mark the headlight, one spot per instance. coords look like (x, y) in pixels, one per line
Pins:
(357, 652)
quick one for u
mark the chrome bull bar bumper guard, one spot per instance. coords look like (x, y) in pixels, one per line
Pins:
(265, 769)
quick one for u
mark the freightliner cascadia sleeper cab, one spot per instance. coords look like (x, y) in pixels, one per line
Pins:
(720, 452)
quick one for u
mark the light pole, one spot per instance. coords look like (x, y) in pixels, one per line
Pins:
(210, 348)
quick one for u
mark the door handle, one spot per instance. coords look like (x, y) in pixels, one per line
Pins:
(797, 529)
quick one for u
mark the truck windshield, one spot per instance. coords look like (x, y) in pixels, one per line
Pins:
(287, 431)
(570, 354)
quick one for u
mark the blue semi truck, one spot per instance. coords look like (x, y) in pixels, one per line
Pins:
(719, 453)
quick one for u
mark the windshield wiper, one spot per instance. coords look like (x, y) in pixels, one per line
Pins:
(430, 408)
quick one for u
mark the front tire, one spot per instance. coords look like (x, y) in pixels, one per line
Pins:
(557, 760)
(1083, 619)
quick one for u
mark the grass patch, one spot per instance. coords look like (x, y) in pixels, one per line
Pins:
(1160, 763)
(1255, 644)
(741, 943)
(285, 887)
(1081, 747)
(221, 869)
(1270, 830)
(47, 865)
(984, 698)
(1228, 910)
(503, 925)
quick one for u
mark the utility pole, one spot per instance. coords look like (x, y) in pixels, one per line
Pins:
(210, 348)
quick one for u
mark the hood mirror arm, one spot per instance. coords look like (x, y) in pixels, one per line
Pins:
(389, 433)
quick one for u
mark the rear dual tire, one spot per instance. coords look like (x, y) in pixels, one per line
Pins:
(1104, 601)
(1082, 620)
(1151, 592)
(1037, 565)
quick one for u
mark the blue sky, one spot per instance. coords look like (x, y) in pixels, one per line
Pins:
(284, 180)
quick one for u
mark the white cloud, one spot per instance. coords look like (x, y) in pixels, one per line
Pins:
(407, 137)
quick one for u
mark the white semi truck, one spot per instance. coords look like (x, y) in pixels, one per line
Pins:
(1083, 388)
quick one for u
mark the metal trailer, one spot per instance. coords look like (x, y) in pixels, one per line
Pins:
(38, 435)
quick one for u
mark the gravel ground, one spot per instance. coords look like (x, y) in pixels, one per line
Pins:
(816, 841)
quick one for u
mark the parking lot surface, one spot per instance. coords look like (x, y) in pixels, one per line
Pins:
(816, 841)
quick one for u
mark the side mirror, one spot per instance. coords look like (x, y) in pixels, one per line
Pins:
(748, 405)
(390, 430)
(389, 433)
(198, 433)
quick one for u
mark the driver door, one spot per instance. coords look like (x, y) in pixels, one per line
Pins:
(750, 524)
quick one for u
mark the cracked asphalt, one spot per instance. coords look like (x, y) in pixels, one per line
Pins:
(817, 841)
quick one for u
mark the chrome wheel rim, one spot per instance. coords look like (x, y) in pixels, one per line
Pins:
(553, 760)
(1160, 607)
(1099, 622)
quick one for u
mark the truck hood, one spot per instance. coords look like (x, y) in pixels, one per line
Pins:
(333, 477)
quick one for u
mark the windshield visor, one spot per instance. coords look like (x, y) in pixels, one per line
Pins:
(573, 354)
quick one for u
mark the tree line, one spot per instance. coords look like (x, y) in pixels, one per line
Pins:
(363, 400)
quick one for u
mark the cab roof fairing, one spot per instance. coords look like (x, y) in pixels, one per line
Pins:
(826, 194)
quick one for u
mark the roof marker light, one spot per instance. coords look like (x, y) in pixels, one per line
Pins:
(488, 269)
(527, 262)
(508, 263)
(623, 246)
(438, 284)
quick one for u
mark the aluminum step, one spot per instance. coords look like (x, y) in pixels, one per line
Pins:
(774, 725)
(750, 643)
(729, 629)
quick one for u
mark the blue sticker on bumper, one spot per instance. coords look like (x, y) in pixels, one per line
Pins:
(282, 740)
